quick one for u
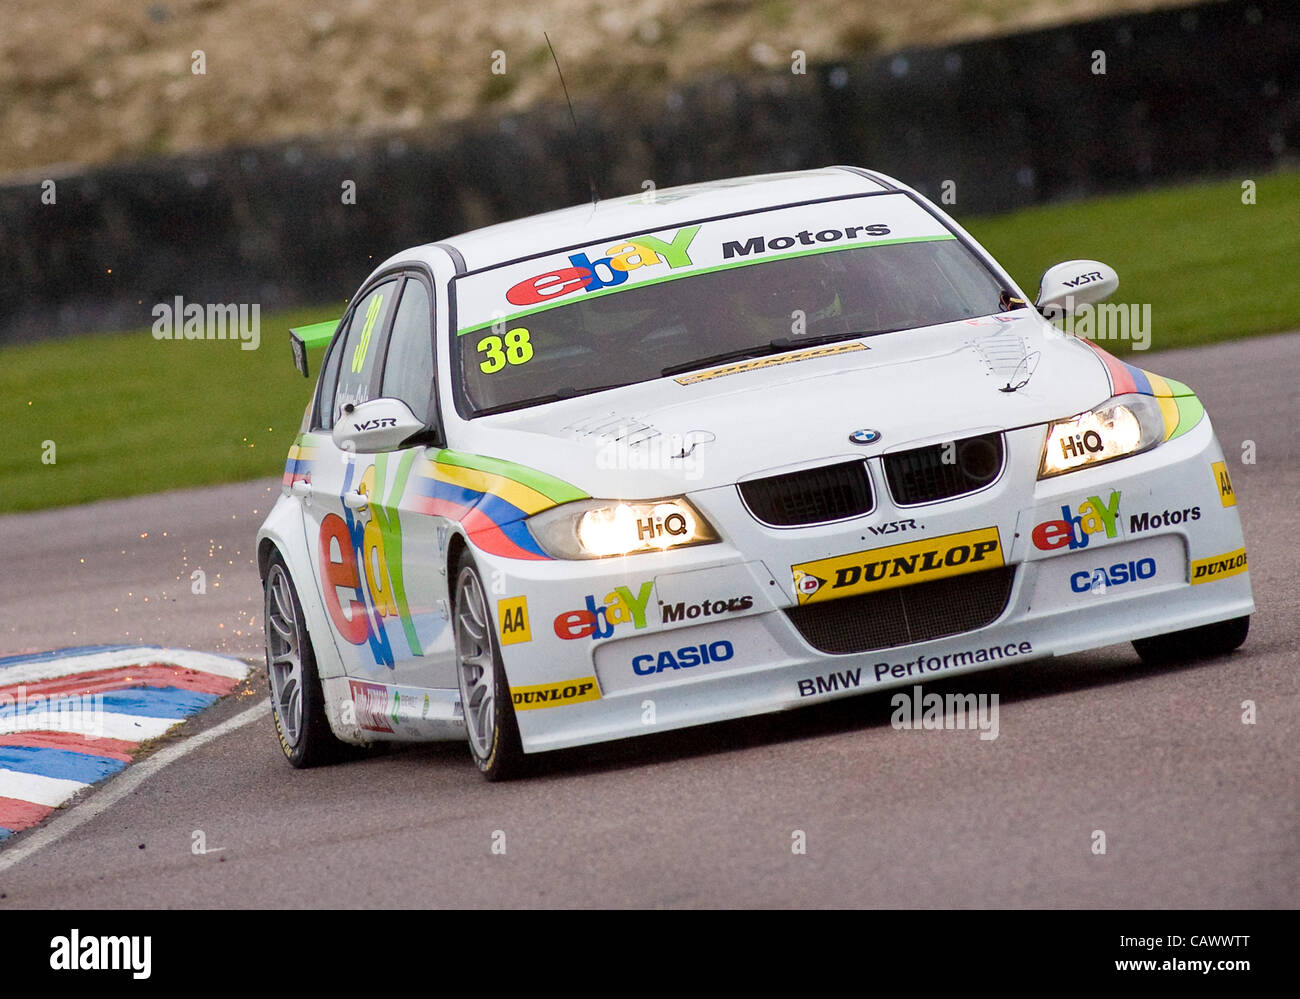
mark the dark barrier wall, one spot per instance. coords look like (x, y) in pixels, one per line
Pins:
(1210, 89)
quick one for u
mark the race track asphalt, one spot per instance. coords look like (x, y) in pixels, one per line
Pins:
(1198, 809)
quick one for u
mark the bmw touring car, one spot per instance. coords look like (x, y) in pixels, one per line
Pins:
(731, 449)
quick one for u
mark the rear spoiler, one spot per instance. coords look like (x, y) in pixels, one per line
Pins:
(302, 338)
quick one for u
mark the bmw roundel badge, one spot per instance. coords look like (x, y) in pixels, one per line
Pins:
(864, 436)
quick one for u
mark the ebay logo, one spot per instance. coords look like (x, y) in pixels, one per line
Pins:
(612, 269)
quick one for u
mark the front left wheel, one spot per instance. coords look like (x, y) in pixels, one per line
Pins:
(484, 694)
(297, 701)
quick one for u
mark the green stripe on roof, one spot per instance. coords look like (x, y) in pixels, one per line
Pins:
(703, 270)
(549, 486)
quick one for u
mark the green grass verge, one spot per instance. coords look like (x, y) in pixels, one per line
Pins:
(1211, 267)
(129, 414)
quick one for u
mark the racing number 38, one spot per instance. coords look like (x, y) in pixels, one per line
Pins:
(518, 350)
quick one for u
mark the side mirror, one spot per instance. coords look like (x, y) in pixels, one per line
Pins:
(1073, 283)
(374, 426)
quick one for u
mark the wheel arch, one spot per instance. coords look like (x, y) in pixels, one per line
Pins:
(266, 548)
(505, 758)
(284, 533)
(457, 546)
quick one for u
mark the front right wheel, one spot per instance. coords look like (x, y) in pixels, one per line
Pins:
(484, 694)
(1215, 639)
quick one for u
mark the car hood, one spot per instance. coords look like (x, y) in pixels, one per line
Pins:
(916, 387)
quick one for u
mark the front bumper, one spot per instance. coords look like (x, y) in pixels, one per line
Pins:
(622, 647)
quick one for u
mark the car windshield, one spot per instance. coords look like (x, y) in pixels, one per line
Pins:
(641, 307)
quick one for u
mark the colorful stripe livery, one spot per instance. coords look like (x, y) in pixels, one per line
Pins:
(69, 719)
(490, 499)
(1178, 403)
(297, 466)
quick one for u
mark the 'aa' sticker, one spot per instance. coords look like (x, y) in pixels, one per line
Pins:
(512, 616)
(1226, 496)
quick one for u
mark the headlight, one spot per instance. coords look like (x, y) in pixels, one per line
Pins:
(604, 528)
(1124, 425)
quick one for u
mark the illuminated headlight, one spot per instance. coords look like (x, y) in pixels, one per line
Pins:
(1124, 425)
(604, 528)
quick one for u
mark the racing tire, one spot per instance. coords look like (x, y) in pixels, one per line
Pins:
(1195, 643)
(297, 701)
(493, 731)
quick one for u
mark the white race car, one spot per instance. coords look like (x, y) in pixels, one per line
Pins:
(715, 451)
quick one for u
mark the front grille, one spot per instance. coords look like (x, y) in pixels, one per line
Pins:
(917, 613)
(813, 496)
(942, 471)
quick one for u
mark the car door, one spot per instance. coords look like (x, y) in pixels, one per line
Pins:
(414, 541)
(341, 532)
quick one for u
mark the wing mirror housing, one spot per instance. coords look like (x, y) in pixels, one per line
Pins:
(1065, 286)
(374, 426)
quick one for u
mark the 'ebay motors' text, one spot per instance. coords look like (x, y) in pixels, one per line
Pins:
(761, 244)
(621, 259)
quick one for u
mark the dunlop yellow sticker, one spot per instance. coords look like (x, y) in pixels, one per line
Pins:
(554, 695)
(1226, 495)
(1219, 567)
(898, 565)
(769, 362)
(512, 617)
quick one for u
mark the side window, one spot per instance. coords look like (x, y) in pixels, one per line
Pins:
(329, 378)
(408, 369)
(356, 362)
